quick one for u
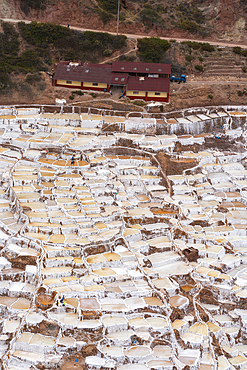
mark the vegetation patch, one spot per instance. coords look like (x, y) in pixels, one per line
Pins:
(45, 44)
(33, 78)
(190, 19)
(203, 46)
(107, 9)
(27, 5)
(149, 17)
(67, 44)
(139, 103)
(43, 33)
(241, 93)
(199, 67)
(110, 6)
(238, 50)
(152, 49)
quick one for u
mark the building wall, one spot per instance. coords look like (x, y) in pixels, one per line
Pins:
(149, 96)
(158, 98)
(90, 86)
(81, 85)
(152, 95)
(140, 95)
(64, 83)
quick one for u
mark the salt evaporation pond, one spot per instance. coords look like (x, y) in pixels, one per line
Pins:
(134, 257)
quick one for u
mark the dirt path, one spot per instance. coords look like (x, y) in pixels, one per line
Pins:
(130, 36)
(134, 42)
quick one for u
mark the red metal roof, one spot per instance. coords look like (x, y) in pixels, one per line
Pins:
(100, 73)
(161, 84)
(159, 68)
(119, 78)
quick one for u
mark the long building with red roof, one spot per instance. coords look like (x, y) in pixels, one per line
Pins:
(146, 81)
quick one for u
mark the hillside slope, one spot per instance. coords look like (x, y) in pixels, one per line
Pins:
(213, 19)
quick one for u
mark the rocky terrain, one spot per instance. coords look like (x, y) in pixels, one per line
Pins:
(215, 20)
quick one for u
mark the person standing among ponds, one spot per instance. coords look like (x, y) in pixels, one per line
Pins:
(73, 159)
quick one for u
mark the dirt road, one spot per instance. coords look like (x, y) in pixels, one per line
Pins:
(222, 44)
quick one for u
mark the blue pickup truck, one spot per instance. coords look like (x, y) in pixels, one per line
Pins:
(182, 78)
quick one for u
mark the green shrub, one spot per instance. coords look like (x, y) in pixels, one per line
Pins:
(39, 33)
(200, 59)
(237, 50)
(71, 97)
(78, 92)
(103, 40)
(33, 78)
(94, 95)
(193, 44)
(139, 103)
(122, 17)
(188, 25)
(240, 93)
(149, 17)
(29, 61)
(244, 69)
(190, 18)
(160, 9)
(9, 40)
(107, 52)
(104, 16)
(67, 44)
(152, 49)
(110, 6)
(172, 41)
(207, 47)
(244, 52)
(26, 5)
(5, 81)
(199, 67)
(188, 58)
(210, 96)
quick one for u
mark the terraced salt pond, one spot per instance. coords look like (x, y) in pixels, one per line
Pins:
(144, 237)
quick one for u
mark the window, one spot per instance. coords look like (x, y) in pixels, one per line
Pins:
(136, 92)
(159, 70)
(147, 69)
(156, 93)
(122, 79)
(95, 83)
(68, 82)
(122, 67)
(134, 68)
(116, 78)
(87, 70)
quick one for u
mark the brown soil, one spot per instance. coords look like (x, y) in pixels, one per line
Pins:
(21, 261)
(208, 296)
(174, 166)
(191, 254)
(44, 328)
(197, 92)
(45, 300)
(68, 362)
